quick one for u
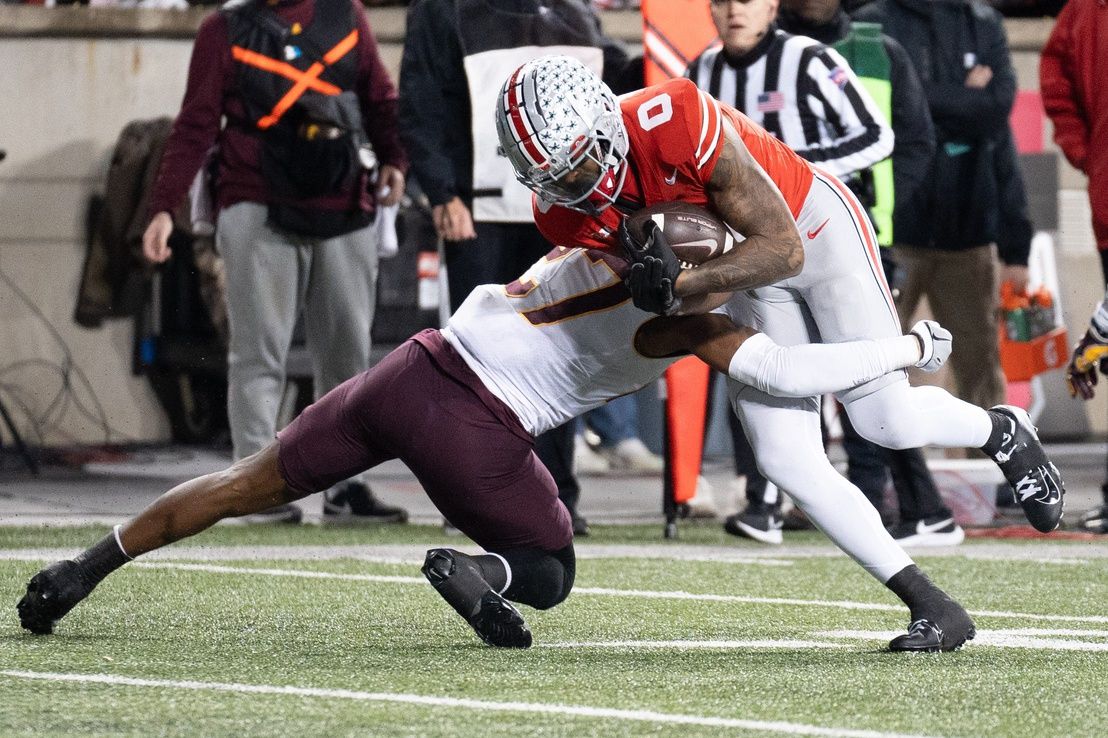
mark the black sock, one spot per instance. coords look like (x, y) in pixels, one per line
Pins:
(1001, 424)
(101, 559)
(494, 570)
(540, 578)
(917, 591)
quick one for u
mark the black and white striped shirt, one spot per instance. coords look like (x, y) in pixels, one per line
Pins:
(805, 94)
(1099, 322)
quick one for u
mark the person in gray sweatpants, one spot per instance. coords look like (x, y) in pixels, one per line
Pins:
(296, 125)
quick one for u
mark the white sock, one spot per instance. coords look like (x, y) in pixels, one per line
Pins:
(507, 572)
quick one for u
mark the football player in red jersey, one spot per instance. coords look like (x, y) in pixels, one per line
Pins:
(807, 270)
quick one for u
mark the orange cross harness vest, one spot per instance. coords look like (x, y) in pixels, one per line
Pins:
(297, 88)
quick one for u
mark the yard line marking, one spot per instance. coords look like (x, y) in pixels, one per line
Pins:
(456, 702)
(1057, 562)
(995, 638)
(1036, 616)
(1064, 632)
(685, 645)
(607, 592)
(679, 595)
(845, 605)
(215, 569)
(406, 555)
(705, 559)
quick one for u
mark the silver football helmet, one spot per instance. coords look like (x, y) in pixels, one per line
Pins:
(562, 129)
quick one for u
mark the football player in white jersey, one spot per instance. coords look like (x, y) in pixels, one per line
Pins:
(807, 270)
(461, 406)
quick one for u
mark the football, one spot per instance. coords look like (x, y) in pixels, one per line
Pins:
(695, 234)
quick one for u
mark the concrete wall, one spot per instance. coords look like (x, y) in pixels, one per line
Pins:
(66, 99)
(73, 78)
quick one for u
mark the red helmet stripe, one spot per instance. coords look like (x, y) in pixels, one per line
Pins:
(520, 126)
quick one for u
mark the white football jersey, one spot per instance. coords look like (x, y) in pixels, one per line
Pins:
(558, 341)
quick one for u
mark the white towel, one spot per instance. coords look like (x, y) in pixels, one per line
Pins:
(388, 245)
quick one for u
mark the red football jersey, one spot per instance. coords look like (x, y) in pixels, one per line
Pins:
(675, 132)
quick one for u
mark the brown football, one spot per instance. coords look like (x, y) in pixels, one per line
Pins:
(695, 234)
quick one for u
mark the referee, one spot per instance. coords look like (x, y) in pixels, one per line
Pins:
(796, 88)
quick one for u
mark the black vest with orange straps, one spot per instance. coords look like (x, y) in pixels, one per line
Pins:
(297, 86)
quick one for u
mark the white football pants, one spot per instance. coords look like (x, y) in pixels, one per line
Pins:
(841, 295)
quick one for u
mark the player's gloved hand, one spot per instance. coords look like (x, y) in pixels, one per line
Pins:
(1090, 354)
(654, 269)
(650, 290)
(655, 245)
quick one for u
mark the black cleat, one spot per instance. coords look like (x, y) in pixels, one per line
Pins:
(51, 593)
(1035, 480)
(758, 522)
(495, 620)
(355, 503)
(499, 623)
(946, 628)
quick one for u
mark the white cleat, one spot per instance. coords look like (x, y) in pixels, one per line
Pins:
(936, 343)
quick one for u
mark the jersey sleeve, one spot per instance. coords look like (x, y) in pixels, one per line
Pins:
(709, 143)
(703, 126)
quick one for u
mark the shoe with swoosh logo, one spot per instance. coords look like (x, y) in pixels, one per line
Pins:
(762, 524)
(941, 625)
(940, 530)
(1014, 445)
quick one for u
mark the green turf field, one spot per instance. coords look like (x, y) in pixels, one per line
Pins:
(302, 631)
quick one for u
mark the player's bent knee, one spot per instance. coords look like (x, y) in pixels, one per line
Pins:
(540, 579)
(889, 431)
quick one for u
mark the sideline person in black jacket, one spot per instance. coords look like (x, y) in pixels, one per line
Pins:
(924, 518)
(945, 236)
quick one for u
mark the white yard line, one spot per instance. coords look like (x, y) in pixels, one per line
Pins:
(215, 569)
(647, 716)
(608, 592)
(696, 645)
(1028, 638)
(408, 554)
(845, 605)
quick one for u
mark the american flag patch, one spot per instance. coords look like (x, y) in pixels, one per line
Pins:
(838, 77)
(771, 102)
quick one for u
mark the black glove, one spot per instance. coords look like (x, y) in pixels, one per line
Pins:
(654, 269)
(1090, 353)
(650, 291)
